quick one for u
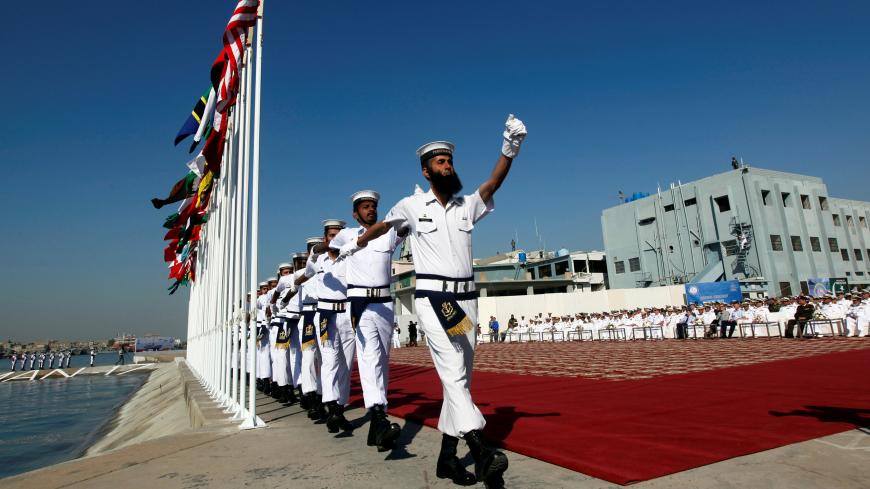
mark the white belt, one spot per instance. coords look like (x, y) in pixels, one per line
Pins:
(369, 291)
(331, 306)
(309, 307)
(445, 285)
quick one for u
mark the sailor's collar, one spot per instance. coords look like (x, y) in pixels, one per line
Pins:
(429, 197)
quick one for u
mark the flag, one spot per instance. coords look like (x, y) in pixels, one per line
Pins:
(225, 77)
(182, 189)
(194, 120)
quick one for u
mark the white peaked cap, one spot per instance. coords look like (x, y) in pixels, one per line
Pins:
(365, 195)
(314, 240)
(436, 148)
(299, 255)
(284, 265)
(263, 284)
(334, 223)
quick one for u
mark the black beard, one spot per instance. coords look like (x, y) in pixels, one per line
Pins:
(370, 221)
(446, 184)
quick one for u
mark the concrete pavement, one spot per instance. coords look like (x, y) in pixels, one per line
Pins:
(294, 452)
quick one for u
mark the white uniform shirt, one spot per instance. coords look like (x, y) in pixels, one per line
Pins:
(261, 308)
(369, 267)
(314, 272)
(440, 236)
(333, 280)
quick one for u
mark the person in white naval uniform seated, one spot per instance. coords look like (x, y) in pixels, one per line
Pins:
(440, 224)
(371, 312)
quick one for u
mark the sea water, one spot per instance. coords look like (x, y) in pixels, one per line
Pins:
(50, 421)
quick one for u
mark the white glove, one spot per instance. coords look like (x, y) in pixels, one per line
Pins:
(514, 133)
(349, 248)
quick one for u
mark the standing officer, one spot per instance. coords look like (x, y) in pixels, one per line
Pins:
(93, 354)
(371, 312)
(440, 225)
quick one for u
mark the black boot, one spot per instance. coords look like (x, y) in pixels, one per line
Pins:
(312, 407)
(331, 421)
(276, 391)
(267, 387)
(386, 433)
(259, 385)
(304, 400)
(489, 463)
(284, 394)
(339, 419)
(291, 396)
(317, 411)
(449, 466)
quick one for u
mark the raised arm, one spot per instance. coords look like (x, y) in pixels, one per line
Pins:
(514, 134)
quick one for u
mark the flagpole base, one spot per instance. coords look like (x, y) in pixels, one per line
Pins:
(252, 423)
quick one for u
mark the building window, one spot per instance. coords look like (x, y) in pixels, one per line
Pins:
(845, 254)
(837, 221)
(690, 202)
(815, 244)
(805, 201)
(832, 245)
(580, 266)
(765, 197)
(723, 203)
(849, 222)
(669, 208)
(544, 271)
(785, 289)
(796, 244)
(562, 268)
(634, 264)
(859, 273)
(858, 255)
(785, 199)
(805, 288)
(823, 203)
(619, 266)
(848, 273)
(776, 242)
(862, 222)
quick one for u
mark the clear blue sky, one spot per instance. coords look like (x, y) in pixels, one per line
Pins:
(616, 96)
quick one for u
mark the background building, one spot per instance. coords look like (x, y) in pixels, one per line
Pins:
(771, 230)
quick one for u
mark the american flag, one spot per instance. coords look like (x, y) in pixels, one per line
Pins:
(225, 75)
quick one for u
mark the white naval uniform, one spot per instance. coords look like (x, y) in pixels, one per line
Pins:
(293, 312)
(368, 275)
(338, 350)
(264, 360)
(274, 325)
(311, 357)
(441, 243)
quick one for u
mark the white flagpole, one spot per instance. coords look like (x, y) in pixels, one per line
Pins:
(253, 421)
(246, 353)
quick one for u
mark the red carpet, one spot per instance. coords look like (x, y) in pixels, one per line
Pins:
(633, 430)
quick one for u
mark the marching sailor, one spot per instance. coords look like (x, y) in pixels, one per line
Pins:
(13, 360)
(273, 323)
(337, 343)
(440, 224)
(309, 335)
(51, 359)
(264, 363)
(280, 354)
(32, 360)
(40, 362)
(93, 355)
(290, 305)
(371, 312)
(68, 355)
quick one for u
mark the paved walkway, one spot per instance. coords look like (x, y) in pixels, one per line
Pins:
(294, 453)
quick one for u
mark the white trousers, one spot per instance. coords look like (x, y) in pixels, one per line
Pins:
(373, 352)
(397, 343)
(264, 359)
(857, 326)
(294, 352)
(337, 352)
(273, 352)
(309, 376)
(454, 360)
